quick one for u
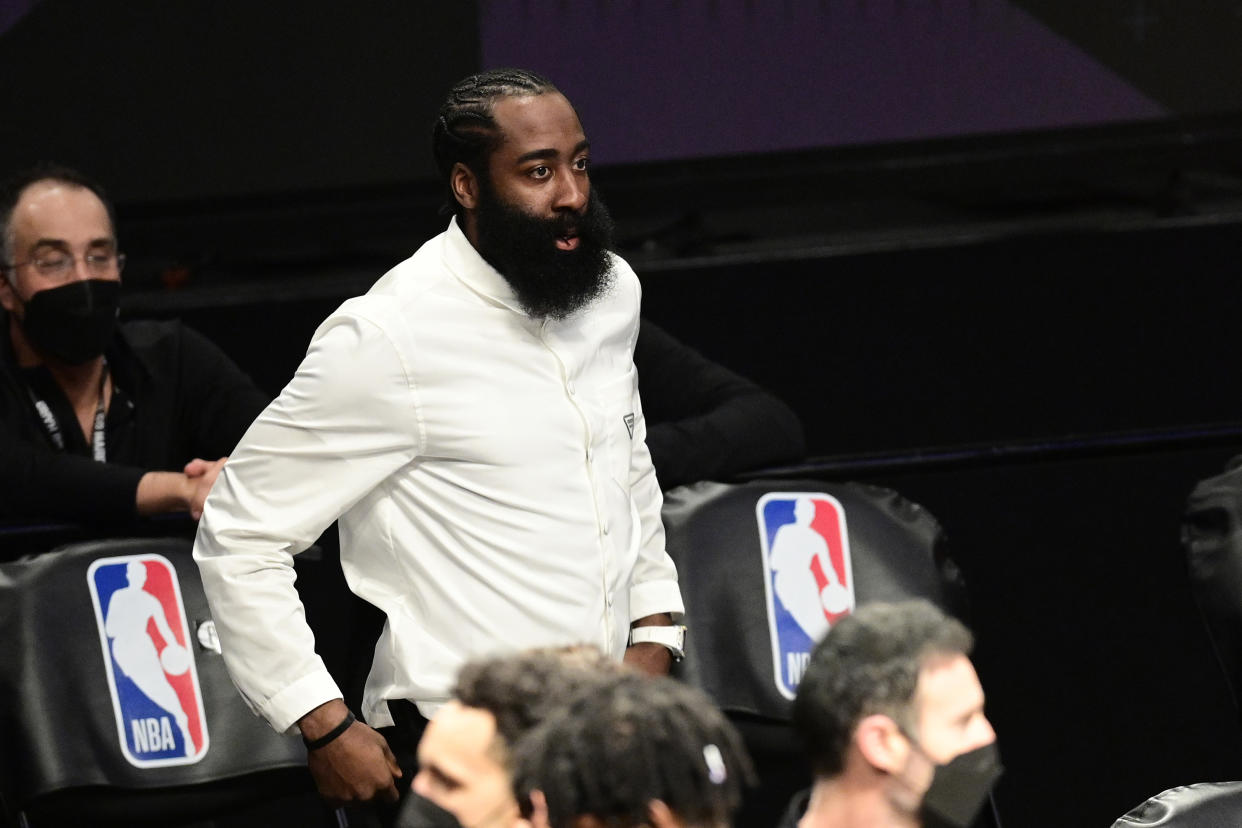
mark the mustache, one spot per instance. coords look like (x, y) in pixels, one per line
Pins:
(592, 224)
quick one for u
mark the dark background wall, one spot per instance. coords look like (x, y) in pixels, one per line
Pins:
(197, 99)
(926, 225)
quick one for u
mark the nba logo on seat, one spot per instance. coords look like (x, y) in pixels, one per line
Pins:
(809, 580)
(150, 664)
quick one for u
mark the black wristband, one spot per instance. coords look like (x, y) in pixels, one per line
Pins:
(326, 738)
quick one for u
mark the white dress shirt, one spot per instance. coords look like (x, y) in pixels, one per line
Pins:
(489, 473)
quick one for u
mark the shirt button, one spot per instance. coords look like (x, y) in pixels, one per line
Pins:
(590, 455)
(605, 527)
(570, 386)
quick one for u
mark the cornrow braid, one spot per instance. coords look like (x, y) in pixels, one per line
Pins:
(465, 130)
(631, 740)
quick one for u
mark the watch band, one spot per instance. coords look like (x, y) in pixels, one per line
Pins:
(673, 638)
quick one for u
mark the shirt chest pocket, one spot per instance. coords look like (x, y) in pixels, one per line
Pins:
(615, 412)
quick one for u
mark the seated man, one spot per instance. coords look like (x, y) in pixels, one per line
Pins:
(891, 712)
(464, 755)
(99, 422)
(704, 422)
(633, 751)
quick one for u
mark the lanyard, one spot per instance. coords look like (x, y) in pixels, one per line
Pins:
(52, 426)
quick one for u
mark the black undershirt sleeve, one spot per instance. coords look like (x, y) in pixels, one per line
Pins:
(705, 422)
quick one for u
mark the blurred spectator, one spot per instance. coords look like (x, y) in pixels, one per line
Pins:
(633, 751)
(464, 755)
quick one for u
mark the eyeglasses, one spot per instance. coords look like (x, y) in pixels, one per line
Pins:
(60, 265)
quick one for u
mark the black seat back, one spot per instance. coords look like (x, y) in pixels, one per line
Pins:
(103, 719)
(1202, 805)
(739, 548)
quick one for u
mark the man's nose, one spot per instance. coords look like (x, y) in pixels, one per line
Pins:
(572, 193)
(421, 784)
(985, 734)
(81, 270)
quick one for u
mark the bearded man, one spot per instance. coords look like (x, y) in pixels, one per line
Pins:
(473, 422)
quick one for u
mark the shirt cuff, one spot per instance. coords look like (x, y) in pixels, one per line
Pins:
(653, 597)
(283, 710)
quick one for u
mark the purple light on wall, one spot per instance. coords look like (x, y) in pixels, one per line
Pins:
(691, 78)
(11, 11)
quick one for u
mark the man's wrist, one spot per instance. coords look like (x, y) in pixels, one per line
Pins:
(161, 491)
(322, 720)
(672, 637)
(332, 735)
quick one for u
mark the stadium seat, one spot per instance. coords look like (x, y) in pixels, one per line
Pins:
(1202, 805)
(106, 721)
(740, 547)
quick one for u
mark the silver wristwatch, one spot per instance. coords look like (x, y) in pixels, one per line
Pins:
(674, 638)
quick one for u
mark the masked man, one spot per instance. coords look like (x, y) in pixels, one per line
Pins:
(99, 422)
(891, 712)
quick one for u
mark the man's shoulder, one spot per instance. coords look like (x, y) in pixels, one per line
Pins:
(421, 272)
(152, 333)
(162, 349)
(152, 342)
(162, 339)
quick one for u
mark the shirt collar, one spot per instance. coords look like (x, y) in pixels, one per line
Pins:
(473, 270)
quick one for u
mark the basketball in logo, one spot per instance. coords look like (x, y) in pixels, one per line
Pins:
(150, 664)
(809, 581)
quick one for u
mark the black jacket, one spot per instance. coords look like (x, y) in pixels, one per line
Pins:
(176, 396)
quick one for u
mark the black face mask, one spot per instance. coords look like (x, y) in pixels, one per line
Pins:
(419, 812)
(75, 322)
(960, 787)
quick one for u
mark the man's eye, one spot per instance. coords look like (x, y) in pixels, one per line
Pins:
(52, 262)
(539, 172)
(582, 164)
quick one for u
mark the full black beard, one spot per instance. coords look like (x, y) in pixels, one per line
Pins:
(548, 282)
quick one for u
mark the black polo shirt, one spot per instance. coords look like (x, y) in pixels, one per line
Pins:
(175, 397)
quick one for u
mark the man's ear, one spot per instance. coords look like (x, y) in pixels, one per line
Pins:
(662, 816)
(8, 296)
(881, 743)
(539, 812)
(465, 186)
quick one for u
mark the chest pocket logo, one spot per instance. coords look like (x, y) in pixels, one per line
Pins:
(629, 423)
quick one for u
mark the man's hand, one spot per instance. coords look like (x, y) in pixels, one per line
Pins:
(160, 492)
(650, 658)
(184, 491)
(202, 475)
(356, 766)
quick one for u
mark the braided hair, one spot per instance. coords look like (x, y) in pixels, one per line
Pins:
(465, 130)
(631, 740)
